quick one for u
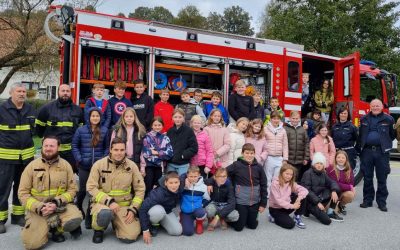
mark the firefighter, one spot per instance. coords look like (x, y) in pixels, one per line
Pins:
(47, 190)
(117, 190)
(61, 118)
(17, 119)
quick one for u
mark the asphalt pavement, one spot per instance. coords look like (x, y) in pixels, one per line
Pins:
(362, 229)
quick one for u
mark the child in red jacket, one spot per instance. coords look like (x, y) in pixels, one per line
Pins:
(164, 110)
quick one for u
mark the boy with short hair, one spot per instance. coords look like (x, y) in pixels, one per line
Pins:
(273, 106)
(240, 105)
(143, 104)
(164, 110)
(97, 101)
(118, 103)
(193, 197)
(216, 99)
(299, 145)
(250, 186)
(258, 107)
(198, 97)
(189, 107)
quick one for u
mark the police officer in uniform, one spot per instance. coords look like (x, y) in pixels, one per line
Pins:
(47, 190)
(376, 134)
(61, 118)
(117, 189)
(17, 120)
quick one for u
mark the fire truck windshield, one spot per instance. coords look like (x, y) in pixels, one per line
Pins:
(370, 88)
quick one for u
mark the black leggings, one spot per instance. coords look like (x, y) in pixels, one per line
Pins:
(321, 215)
(247, 217)
(153, 174)
(282, 215)
(81, 194)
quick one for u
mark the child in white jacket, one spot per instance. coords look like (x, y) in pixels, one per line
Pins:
(236, 132)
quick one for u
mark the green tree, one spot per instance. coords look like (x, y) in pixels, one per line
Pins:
(157, 13)
(190, 16)
(338, 27)
(214, 22)
(237, 21)
(121, 14)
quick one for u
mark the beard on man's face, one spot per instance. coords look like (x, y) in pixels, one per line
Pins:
(64, 99)
(48, 156)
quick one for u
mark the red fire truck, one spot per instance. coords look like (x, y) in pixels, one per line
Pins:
(102, 48)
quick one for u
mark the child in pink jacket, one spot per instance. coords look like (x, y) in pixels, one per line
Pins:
(277, 147)
(220, 138)
(285, 198)
(255, 135)
(323, 143)
(204, 157)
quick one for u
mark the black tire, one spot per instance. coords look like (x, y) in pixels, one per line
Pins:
(358, 175)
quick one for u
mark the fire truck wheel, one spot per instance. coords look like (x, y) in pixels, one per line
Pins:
(357, 171)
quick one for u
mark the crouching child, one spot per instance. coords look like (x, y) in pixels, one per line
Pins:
(194, 196)
(156, 209)
(222, 206)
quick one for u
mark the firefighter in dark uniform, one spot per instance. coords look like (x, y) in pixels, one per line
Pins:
(61, 118)
(374, 142)
(17, 120)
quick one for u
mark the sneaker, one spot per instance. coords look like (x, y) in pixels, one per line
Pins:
(342, 209)
(333, 216)
(18, 220)
(299, 222)
(271, 219)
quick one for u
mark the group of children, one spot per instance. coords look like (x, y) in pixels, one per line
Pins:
(213, 170)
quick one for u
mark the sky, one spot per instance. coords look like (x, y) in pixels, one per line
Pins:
(254, 7)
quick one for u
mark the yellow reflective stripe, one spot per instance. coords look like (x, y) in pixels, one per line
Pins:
(13, 154)
(3, 215)
(124, 203)
(18, 210)
(137, 200)
(118, 192)
(61, 124)
(65, 147)
(17, 128)
(46, 193)
(94, 223)
(67, 196)
(40, 123)
(30, 202)
(100, 196)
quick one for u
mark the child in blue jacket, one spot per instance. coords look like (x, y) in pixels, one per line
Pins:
(194, 196)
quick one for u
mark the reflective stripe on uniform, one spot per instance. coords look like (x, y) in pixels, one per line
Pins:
(17, 128)
(49, 192)
(3, 215)
(14, 154)
(40, 123)
(65, 147)
(99, 196)
(67, 196)
(60, 124)
(137, 200)
(118, 192)
(124, 203)
(94, 223)
(18, 210)
(30, 202)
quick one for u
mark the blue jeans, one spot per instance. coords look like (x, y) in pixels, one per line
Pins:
(181, 169)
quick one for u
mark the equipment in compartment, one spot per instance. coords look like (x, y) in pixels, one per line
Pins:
(179, 84)
(108, 68)
(161, 80)
(254, 80)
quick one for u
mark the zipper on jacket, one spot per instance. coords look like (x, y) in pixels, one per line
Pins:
(251, 184)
